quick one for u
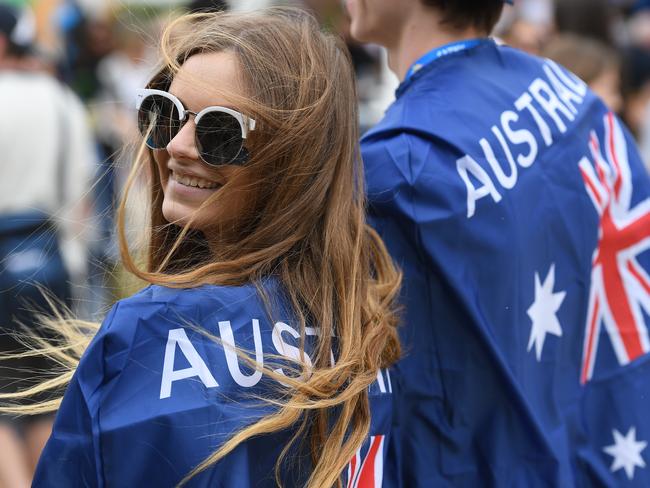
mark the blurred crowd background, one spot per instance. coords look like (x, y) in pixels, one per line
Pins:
(104, 50)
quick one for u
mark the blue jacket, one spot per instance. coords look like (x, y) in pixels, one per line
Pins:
(153, 395)
(519, 210)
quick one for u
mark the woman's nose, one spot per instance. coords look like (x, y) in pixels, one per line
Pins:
(183, 144)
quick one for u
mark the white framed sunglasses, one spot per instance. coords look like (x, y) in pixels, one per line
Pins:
(220, 131)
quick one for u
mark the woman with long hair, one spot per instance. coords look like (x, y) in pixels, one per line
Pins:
(257, 354)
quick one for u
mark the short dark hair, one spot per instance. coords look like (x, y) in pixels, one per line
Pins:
(461, 14)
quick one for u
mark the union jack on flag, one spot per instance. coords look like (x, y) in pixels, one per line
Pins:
(620, 287)
(366, 469)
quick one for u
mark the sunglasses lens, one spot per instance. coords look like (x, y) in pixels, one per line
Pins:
(158, 121)
(219, 139)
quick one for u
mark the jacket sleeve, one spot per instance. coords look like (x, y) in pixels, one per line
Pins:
(72, 456)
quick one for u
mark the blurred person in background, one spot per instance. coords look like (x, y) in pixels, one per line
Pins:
(87, 40)
(47, 157)
(518, 208)
(593, 62)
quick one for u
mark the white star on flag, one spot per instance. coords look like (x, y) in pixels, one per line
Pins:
(543, 312)
(626, 452)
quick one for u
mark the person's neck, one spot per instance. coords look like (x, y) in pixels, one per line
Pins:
(418, 37)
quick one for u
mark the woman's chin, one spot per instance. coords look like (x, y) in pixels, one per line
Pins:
(179, 214)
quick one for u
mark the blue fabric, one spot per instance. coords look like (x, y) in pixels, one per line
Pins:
(519, 210)
(30, 263)
(122, 424)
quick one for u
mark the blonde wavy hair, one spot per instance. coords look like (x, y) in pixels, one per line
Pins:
(312, 235)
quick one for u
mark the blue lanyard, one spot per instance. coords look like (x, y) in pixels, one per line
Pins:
(439, 52)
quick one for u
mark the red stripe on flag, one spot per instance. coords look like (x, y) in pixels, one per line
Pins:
(618, 181)
(592, 187)
(595, 151)
(352, 471)
(619, 305)
(634, 232)
(367, 475)
(590, 342)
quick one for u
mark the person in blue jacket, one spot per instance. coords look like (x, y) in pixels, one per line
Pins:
(517, 206)
(258, 353)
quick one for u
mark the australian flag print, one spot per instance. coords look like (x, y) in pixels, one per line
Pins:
(518, 208)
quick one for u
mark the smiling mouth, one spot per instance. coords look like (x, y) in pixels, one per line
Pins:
(194, 182)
